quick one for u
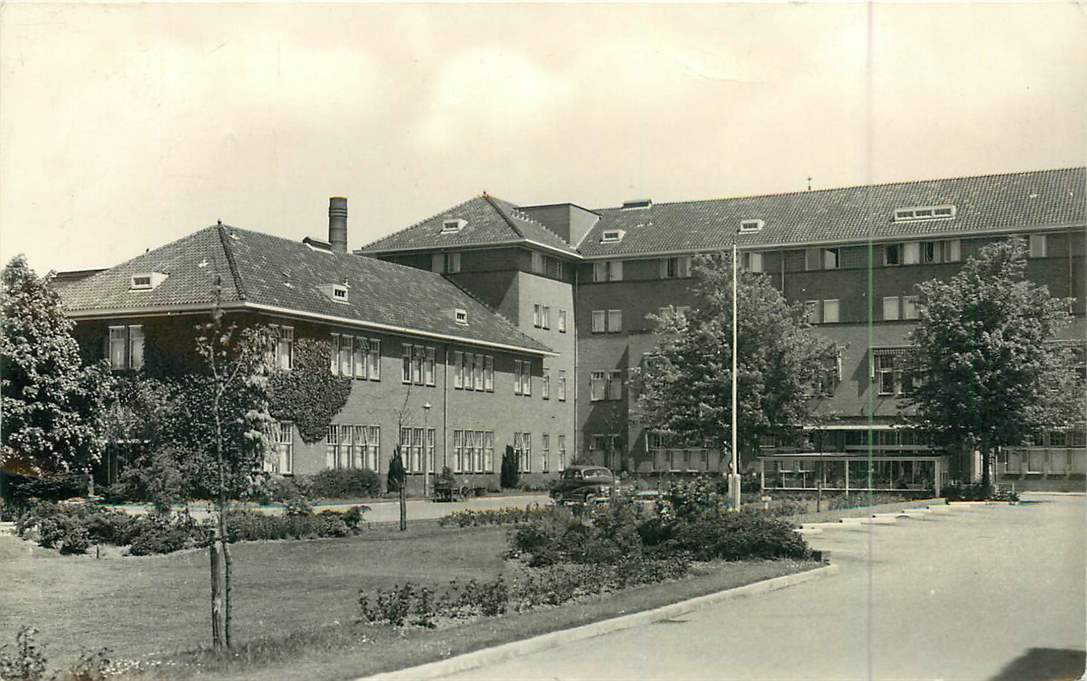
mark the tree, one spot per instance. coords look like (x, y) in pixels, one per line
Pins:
(985, 370)
(228, 408)
(684, 385)
(510, 473)
(53, 405)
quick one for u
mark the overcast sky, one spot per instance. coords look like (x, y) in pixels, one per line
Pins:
(124, 127)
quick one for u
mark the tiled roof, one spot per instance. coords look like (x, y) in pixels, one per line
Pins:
(991, 202)
(983, 203)
(489, 220)
(264, 270)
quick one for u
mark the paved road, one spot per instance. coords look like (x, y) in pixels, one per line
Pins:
(991, 593)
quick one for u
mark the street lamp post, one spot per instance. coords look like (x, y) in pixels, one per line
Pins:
(734, 470)
(426, 449)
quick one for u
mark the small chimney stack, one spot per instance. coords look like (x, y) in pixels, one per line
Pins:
(337, 224)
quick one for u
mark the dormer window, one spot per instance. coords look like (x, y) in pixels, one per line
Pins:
(146, 281)
(461, 316)
(453, 226)
(337, 293)
(612, 236)
(916, 213)
(749, 226)
(637, 204)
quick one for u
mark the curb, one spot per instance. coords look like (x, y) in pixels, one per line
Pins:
(506, 651)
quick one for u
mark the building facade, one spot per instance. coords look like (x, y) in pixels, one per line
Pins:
(491, 325)
(432, 368)
(852, 256)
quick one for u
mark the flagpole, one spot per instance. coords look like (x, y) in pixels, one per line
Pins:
(734, 473)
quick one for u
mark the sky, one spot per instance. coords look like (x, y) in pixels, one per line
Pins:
(124, 127)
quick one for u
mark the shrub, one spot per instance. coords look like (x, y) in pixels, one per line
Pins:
(163, 533)
(346, 483)
(50, 487)
(396, 475)
(496, 516)
(254, 526)
(27, 661)
(978, 492)
(509, 474)
(735, 536)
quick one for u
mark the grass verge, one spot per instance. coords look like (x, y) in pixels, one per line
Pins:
(349, 651)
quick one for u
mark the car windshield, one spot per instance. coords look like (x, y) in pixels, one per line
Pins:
(572, 474)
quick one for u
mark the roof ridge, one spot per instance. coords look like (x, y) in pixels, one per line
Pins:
(416, 224)
(232, 264)
(490, 200)
(856, 186)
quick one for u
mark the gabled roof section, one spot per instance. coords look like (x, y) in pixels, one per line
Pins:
(192, 263)
(269, 273)
(1024, 200)
(488, 220)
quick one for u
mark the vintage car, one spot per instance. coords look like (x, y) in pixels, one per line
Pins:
(583, 485)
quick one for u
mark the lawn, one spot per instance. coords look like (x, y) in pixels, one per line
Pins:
(159, 604)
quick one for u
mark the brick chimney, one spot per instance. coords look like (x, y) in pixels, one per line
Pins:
(337, 224)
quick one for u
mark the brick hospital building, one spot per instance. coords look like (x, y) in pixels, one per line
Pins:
(492, 324)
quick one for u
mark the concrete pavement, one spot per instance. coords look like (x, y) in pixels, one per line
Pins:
(985, 592)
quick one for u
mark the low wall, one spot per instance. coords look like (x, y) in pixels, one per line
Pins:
(1044, 484)
(863, 511)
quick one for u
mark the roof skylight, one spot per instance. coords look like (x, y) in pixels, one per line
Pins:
(453, 226)
(917, 213)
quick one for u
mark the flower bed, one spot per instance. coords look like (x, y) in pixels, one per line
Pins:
(498, 516)
(74, 528)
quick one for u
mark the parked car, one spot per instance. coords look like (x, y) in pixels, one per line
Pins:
(583, 485)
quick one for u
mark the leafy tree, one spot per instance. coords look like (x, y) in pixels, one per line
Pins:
(986, 373)
(684, 387)
(227, 408)
(52, 404)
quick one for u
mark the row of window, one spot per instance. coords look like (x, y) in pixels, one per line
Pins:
(352, 356)
(414, 443)
(353, 446)
(418, 364)
(541, 318)
(607, 321)
(473, 371)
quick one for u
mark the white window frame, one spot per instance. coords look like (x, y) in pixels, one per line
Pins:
(615, 385)
(891, 304)
(562, 385)
(751, 226)
(598, 378)
(615, 321)
(1037, 246)
(831, 311)
(909, 307)
(132, 342)
(753, 261)
(545, 317)
(600, 321)
(545, 385)
(897, 249)
(488, 373)
(562, 321)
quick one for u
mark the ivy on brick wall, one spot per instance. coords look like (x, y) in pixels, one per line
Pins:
(308, 394)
